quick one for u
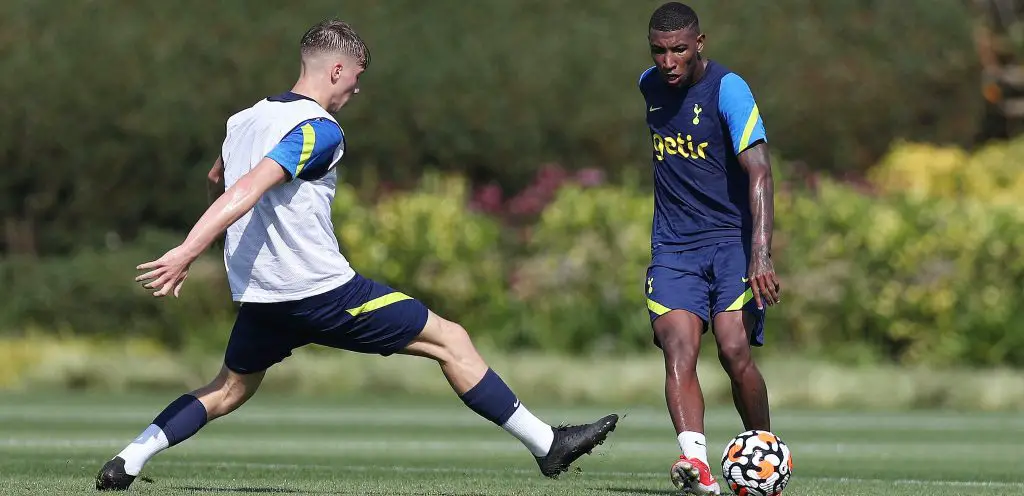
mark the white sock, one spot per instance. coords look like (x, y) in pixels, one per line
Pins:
(150, 442)
(532, 431)
(693, 445)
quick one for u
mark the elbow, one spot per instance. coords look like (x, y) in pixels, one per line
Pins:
(760, 174)
(215, 177)
(216, 174)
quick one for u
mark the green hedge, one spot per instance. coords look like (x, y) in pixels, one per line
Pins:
(93, 293)
(907, 278)
(116, 109)
(920, 280)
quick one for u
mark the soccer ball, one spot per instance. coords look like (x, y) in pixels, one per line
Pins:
(757, 463)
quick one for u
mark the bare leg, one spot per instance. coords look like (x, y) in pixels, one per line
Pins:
(180, 420)
(678, 333)
(485, 393)
(732, 332)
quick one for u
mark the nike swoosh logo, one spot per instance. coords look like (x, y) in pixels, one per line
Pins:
(698, 443)
(652, 109)
(516, 404)
(744, 279)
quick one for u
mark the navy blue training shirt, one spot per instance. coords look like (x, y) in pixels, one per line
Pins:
(701, 194)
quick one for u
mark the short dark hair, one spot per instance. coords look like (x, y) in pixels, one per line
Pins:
(335, 35)
(674, 16)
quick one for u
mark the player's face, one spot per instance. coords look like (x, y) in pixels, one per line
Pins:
(675, 54)
(345, 79)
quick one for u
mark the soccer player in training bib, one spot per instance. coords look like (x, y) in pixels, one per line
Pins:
(711, 236)
(278, 164)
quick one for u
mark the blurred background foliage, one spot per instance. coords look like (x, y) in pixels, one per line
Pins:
(498, 167)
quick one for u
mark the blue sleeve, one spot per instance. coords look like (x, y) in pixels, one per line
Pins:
(308, 150)
(739, 111)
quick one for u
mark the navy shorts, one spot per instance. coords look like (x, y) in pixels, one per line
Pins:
(361, 316)
(705, 282)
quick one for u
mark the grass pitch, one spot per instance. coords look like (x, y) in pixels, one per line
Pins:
(54, 444)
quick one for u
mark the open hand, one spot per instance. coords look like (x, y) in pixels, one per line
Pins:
(168, 273)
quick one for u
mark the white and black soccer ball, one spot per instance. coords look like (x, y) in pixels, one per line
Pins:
(757, 463)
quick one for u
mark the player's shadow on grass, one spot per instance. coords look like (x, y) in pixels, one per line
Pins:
(282, 490)
(633, 490)
(279, 490)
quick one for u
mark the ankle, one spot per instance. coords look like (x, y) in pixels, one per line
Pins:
(693, 445)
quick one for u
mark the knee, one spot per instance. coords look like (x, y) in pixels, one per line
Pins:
(455, 344)
(734, 354)
(680, 349)
(223, 395)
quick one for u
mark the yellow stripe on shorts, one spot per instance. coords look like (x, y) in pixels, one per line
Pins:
(378, 303)
(657, 308)
(742, 300)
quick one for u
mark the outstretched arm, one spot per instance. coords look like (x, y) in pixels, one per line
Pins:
(167, 273)
(233, 204)
(763, 281)
(307, 152)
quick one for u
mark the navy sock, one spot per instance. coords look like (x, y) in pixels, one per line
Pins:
(181, 419)
(491, 399)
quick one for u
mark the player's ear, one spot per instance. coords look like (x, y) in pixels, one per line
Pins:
(700, 43)
(336, 71)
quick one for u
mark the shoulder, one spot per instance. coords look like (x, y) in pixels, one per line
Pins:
(312, 134)
(310, 149)
(322, 129)
(243, 114)
(732, 85)
(646, 77)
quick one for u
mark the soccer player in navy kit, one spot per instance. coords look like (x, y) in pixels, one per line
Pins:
(711, 235)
